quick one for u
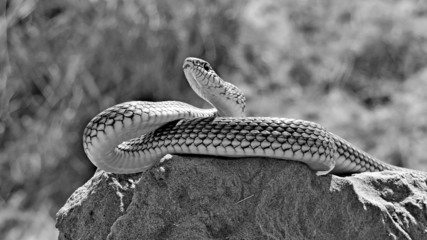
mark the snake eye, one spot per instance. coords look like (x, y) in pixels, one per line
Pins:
(206, 66)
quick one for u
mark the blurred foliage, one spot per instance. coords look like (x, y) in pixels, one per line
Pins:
(358, 68)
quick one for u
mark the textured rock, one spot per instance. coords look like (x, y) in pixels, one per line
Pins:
(207, 198)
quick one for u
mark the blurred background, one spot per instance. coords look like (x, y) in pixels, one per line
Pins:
(357, 67)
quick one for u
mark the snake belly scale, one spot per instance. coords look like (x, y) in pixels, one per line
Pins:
(133, 136)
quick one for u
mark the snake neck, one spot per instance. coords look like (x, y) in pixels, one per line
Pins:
(231, 106)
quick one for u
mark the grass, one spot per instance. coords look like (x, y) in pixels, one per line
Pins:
(357, 68)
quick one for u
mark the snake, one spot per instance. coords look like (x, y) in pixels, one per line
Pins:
(133, 136)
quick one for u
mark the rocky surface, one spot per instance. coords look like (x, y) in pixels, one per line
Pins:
(208, 198)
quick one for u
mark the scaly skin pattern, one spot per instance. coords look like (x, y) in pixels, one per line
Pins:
(237, 137)
(279, 138)
(133, 136)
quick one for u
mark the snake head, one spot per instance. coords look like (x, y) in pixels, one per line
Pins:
(224, 96)
(196, 62)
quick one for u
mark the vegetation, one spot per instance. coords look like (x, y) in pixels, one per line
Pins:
(358, 68)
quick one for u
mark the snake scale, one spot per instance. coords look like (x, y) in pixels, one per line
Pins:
(133, 136)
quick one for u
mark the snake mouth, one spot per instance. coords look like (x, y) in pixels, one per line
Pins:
(187, 64)
(190, 62)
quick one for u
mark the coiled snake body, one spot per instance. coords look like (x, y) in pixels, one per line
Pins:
(133, 136)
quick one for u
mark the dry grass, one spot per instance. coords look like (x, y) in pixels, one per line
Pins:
(357, 68)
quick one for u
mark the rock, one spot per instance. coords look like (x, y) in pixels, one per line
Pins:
(247, 198)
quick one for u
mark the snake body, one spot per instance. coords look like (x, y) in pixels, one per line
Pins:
(133, 136)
